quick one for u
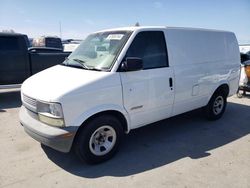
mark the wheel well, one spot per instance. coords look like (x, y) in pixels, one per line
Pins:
(114, 113)
(223, 88)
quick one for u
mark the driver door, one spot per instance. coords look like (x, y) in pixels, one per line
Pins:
(148, 94)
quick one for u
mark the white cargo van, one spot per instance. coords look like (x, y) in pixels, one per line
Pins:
(122, 79)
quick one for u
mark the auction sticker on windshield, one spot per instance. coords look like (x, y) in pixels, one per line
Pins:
(115, 36)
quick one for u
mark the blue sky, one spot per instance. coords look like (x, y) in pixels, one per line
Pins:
(79, 17)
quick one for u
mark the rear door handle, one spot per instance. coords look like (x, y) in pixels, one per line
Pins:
(171, 83)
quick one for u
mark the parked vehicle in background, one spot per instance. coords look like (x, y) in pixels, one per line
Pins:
(47, 41)
(244, 56)
(244, 48)
(18, 61)
(244, 85)
(121, 79)
(70, 45)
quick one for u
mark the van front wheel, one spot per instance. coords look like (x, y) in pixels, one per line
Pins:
(216, 106)
(99, 139)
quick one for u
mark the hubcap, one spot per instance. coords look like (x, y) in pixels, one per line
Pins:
(102, 140)
(218, 105)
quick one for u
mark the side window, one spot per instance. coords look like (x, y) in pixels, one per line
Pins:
(151, 47)
(9, 44)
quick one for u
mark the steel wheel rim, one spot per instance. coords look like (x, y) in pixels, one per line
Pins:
(102, 140)
(218, 105)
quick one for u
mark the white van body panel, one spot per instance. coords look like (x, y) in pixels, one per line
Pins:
(202, 61)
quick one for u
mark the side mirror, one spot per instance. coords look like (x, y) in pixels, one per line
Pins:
(132, 64)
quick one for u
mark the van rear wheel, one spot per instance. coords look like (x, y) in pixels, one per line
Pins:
(216, 106)
(99, 139)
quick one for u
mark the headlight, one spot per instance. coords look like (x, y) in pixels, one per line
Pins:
(50, 113)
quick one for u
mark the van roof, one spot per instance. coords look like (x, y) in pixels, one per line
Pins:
(134, 28)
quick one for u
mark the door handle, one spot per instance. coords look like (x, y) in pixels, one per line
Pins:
(171, 83)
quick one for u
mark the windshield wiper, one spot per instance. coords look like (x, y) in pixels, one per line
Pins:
(78, 65)
(84, 66)
(81, 62)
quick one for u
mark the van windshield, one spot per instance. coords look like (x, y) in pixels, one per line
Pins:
(98, 51)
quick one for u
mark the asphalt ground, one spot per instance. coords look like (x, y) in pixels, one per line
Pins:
(183, 151)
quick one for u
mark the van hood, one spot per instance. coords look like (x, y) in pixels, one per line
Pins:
(53, 83)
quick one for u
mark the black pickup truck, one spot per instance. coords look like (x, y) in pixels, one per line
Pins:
(18, 61)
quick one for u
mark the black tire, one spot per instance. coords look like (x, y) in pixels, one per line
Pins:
(210, 109)
(82, 144)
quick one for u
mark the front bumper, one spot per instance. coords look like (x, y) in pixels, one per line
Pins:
(60, 139)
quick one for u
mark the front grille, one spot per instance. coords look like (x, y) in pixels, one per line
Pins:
(29, 102)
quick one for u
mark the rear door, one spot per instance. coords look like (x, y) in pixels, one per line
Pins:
(148, 94)
(14, 60)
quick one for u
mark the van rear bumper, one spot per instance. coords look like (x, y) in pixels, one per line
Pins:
(60, 139)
